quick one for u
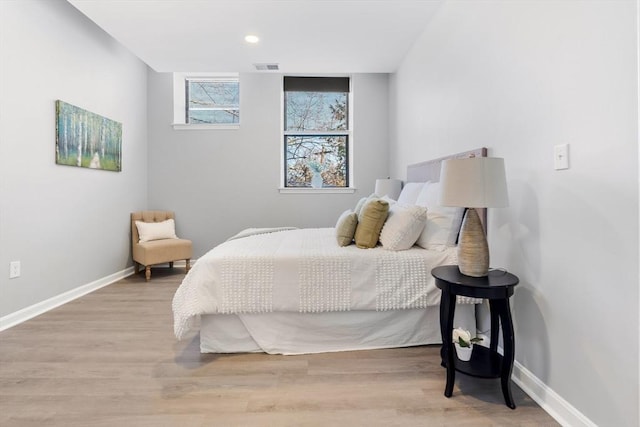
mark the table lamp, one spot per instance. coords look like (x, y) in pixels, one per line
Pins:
(474, 182)
(388, 187)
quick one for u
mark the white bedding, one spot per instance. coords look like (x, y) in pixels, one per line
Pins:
(305, 333)
(305, 271)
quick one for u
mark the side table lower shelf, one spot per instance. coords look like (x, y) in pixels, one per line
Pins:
(484, 363)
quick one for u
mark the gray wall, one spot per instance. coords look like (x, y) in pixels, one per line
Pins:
(68, 226)
(519, 78)
(221, 181)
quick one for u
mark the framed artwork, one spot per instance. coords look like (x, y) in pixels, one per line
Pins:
(86, 139)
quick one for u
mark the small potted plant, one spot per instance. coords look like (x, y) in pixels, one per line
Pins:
(464, 343)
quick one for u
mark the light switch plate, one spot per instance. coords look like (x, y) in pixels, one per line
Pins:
(14, 269)
(561, 156)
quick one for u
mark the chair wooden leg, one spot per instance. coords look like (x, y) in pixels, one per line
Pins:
(136, 267)
(171, 264)
(147, 272)
(188, 265)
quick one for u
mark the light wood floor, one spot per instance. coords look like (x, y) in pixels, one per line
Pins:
(110, 359)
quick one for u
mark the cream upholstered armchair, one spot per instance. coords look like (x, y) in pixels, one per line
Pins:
(154, 241)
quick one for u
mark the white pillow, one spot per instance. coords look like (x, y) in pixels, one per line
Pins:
(428, 195)
(436, 233)
(156, 230)
(410, 192)
(443, 223)
(388, 200)
(403, 227)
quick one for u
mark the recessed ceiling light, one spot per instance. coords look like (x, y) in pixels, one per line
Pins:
(250, 38)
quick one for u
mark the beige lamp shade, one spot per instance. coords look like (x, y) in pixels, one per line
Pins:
(388, 187)
(475, 182)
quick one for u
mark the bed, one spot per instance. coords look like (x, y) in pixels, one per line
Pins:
(296, 291)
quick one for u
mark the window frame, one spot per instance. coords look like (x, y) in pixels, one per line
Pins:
(180, 102)
(347, 133)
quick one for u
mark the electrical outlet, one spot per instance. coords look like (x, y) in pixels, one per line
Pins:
(14, 269)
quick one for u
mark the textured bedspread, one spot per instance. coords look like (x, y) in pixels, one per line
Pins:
(305, 271)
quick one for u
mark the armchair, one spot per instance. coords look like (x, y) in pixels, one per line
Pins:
(160, 251)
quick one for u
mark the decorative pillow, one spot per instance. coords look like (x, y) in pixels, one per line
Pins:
(410, 192)
(346, 227)
(362, 202)
(156, 230)
(403, 227)
(443, 223)
(370, 222)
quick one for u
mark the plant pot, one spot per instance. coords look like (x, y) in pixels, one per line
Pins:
(464, 353)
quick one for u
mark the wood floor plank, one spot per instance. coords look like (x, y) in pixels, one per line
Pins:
(110, 359)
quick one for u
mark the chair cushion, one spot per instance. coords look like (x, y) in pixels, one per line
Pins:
(161, 251)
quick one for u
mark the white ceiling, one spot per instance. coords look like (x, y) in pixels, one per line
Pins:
(302, 36)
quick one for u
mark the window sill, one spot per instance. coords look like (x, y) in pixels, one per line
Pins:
(288, 190)
(187, 126)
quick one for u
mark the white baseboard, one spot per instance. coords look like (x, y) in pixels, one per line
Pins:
(32, 311)
(549, 400)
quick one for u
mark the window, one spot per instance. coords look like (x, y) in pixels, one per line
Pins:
(212, 101)
(316, 132)
(209, 101)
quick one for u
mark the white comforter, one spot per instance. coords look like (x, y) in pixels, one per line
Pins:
(305, 271)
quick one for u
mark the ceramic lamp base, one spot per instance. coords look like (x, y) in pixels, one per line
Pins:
(473, 251)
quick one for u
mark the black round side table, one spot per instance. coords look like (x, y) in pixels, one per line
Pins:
(485, 362)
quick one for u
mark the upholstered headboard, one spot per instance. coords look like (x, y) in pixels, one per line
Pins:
(430, 171)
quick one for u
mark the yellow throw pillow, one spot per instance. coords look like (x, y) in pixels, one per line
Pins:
(370, 221)
(346, 227)
(362, 202)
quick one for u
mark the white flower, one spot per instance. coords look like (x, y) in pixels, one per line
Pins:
(463, 337)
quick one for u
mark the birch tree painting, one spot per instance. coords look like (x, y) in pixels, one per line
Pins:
(86, 139)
